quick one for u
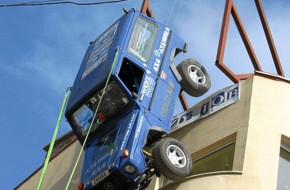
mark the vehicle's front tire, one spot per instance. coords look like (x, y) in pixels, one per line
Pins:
(171, 159)
(195, 79)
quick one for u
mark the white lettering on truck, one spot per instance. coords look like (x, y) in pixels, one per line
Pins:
(128, 132)
(161, 49)
(139, 127)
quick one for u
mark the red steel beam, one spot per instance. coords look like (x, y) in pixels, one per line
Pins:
(230, 9)
(224, 32)
(269, 38)
(145, 9)
(245, 39)
(222, 43)
(183, 101)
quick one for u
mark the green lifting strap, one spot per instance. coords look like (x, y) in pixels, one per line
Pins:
(64, 102)
(89, 130)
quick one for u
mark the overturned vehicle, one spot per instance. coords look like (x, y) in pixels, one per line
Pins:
(122, 103)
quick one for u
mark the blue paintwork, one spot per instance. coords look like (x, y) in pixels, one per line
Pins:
(128, 129)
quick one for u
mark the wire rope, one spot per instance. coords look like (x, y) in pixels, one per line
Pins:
(167, 23)
(45, 165)
(56, 2)
(89, 130)
(178, 11)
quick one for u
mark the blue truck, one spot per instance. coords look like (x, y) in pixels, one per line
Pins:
(122, 103)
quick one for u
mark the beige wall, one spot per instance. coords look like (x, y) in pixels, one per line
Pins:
(58, 171)
(256, 122)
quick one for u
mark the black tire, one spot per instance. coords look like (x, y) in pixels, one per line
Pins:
(171, 159)
(195, 79)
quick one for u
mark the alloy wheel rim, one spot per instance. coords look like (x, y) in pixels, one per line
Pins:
(176, 156)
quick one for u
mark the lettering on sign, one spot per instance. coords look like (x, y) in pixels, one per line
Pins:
(210, 105)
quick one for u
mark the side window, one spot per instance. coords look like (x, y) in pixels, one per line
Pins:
(131, 75)
(284, 165)
(142, 40)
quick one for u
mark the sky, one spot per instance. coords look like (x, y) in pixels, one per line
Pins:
(42, 47)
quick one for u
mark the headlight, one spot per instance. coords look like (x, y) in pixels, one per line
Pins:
(129, 169)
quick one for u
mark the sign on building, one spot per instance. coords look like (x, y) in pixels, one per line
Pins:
(208, 106)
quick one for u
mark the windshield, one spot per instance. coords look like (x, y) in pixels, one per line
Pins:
(113, 101)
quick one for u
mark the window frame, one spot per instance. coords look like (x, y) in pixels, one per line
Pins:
(81, 130)
(134, 53)
(284, 148)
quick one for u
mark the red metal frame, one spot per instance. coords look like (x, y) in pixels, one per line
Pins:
(230, 9)
(145, 9)
(183, 101)
(269, 38)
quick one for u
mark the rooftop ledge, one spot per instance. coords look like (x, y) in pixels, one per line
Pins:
(272, 76)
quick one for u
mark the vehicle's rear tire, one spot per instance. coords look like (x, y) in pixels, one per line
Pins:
(171, 159)
(195, 79)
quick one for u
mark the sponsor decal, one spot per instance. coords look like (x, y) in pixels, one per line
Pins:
(148, 86)
(163, 75)
(210, 105)
(158, 53)
(102, 151)
(128, 132)
(99, 52)
(167, 100)
(101, 164)
(139, 127)
(165, 106)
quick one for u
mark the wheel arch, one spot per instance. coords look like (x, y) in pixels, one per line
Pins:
(155, 133)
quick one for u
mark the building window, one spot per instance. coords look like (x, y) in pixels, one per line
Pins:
(284, 168)
(217, 157)
(221, 159)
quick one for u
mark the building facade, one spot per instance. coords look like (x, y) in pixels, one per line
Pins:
(63, 159)
(245, 145)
